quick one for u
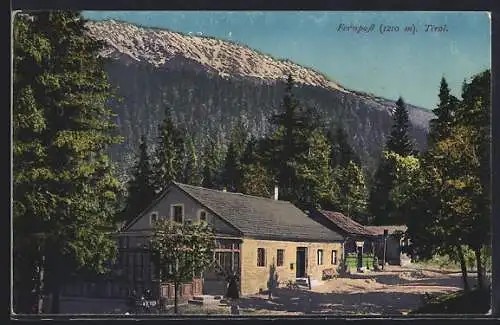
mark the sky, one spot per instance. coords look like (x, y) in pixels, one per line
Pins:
(386, 61)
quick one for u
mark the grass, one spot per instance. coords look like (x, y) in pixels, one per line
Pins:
(438, 262)
(352, 261)
(476, 301)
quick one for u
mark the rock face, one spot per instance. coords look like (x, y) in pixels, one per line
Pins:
(211, 83)
(166, 49)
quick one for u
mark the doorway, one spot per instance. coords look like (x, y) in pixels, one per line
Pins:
(301, 262)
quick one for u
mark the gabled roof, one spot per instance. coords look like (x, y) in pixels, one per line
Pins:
(261, 218)
(379, 230)
(346, 224)
(256, 217)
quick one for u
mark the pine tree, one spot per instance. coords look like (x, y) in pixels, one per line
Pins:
(399, 140)
(211, 165)
(169, 154)
(231, 172)
(65, 189)
(250, 151)
(141, 191)
(341, 152)
(440, 127)
(290, 141)
(380, 204)
(192, 172)
(256, 178)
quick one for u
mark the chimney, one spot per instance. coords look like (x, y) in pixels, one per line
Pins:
(276, 192)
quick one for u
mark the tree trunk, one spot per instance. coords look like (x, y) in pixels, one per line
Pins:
(176, 289)
(463, 267)
(40, 286)
(479, 267)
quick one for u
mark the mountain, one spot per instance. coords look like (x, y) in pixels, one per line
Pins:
(210, 84)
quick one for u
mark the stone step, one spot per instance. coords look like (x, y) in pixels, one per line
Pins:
(207, 297)
(303, 282)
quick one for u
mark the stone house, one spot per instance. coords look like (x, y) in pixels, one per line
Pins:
(255, 237)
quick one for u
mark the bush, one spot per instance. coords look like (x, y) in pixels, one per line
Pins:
(342, 268)
(473, 302)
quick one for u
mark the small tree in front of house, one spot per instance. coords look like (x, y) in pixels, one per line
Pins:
(181, 251)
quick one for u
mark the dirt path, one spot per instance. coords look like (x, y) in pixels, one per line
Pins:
(394, 291)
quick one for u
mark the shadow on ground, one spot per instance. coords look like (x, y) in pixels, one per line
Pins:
(394, 280)
(307, 302)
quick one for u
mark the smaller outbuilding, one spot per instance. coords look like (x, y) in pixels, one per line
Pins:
(394, 245)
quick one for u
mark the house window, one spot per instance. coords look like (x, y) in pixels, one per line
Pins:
(280, 256)
(224, 260)
(237, 262)
(320, 257)
(203, 215)
(153, 218)
(261, 257)
(178, 213)
(334, 257)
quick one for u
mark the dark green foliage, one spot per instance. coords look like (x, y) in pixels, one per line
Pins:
(141, 191)
(231, 170)
(256, 178)
(350, 194)
(249, 153)
(211, 165)
(65, 189)
(169, 153)
(290, 145)
(461, 302)
(440, 127)
(380, 204)
(452, 207)
(208, 105)
(192, 172)
(239, 136)
(312, 185)
(341, 151)
(399, 138)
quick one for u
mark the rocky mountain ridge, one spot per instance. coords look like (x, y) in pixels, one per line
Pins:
(210, 83)
(163, 48)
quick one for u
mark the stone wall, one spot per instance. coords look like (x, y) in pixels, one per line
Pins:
(255, 278)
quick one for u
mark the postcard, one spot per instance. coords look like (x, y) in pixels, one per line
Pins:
(251, 163)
